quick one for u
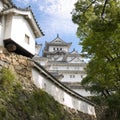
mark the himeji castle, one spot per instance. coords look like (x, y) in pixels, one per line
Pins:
(67, 67)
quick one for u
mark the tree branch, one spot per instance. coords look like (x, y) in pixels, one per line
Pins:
(103, 10)
(89, 5)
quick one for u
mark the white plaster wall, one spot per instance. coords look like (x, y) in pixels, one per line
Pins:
(63, 48)
(2, 30)
(76, 71)
(1, 34)
(43, 63)
(1, 6)
(45, 84)
(16, 28)
(67, 78)
(60, 94)
(70, 58)
(20, 27)
(8, 25)
(70, 68)
(82, 92)
(2, 23)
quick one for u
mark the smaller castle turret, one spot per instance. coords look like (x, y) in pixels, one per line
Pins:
(18, 29)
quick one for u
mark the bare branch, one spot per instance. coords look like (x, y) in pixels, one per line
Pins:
(90, 5)
(103, 10)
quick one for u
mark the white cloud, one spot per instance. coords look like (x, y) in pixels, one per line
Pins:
(59, 8)
(56, 14)
(59, 12)
(66, 26)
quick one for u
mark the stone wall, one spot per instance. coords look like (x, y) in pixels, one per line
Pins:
(20, 65)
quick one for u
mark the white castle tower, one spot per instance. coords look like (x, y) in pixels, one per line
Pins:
(67, 67)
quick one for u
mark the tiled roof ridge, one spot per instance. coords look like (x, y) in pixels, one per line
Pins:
(60, 39)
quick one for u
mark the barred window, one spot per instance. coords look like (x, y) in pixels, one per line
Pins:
(27, 39)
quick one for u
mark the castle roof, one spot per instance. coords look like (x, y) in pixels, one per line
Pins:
(57, 42)
(8, 2)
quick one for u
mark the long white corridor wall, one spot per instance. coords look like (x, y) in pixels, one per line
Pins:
(44, 80)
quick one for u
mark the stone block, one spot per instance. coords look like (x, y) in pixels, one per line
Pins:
(18, 68)
(28, 73)
(23, 61)
(15, 62)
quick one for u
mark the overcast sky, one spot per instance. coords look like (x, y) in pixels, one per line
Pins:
(54, 17)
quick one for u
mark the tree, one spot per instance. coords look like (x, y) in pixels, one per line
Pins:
(99, 32)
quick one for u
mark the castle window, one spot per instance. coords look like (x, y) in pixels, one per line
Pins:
(57, 48)
(72, 76)
(27, 39)
(60, 48)
(53, 48)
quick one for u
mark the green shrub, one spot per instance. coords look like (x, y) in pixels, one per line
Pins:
(7, 78)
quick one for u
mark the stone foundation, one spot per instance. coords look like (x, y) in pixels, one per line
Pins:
(20, 65)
